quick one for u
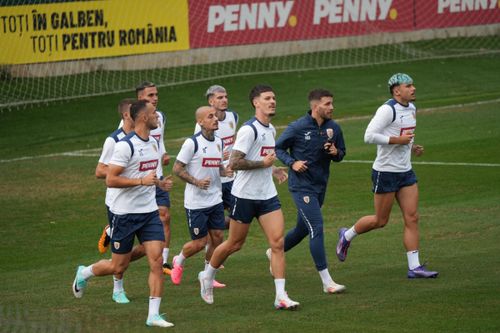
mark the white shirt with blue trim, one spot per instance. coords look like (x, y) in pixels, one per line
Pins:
(139, 157)
(255, 184)
(227, 132)
(392, 157)
(202, 163)
(107, 152)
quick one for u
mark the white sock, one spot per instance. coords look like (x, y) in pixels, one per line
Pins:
(280, 288)
(117, 285)
(207, 263)
(350, 234)
(210, 272)
(180, 259)
(154, 306)
(413, 261)
(325, 277)
(87, 272)
(165, 255)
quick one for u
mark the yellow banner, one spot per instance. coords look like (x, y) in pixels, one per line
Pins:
(91, 29)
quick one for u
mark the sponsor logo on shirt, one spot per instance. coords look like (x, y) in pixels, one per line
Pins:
(211, 162)
(148, 165)
(266, 150)
(407, 130)
(228, 140)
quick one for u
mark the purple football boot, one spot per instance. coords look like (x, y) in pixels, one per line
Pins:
(421, 273)
(342, 245)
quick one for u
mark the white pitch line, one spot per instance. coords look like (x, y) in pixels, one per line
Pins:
(88, 153)
(95, 152)
(78, 153)
(434, 163)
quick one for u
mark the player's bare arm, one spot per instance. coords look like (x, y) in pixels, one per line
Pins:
(226, 171)
(227, 153)
(401, 140)
(281, 174)
(166, 183)
(418, 150)
(165, 159)
(181, 172)
(114, 178)
(101, 170)
(238, 161)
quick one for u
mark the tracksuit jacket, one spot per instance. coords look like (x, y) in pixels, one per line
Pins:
(303, 140)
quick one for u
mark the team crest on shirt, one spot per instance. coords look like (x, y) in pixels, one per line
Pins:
(196, 231)
(414, 115)
(306, 199)
(231, 124)
(218, 147)
(155, 148)
(116, 245)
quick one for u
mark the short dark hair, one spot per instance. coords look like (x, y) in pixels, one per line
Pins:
(136, 107)
(144, 85)
(124, 103)
(318, 94)
(257, 90)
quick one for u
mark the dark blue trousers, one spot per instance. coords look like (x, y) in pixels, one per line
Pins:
(309, 222)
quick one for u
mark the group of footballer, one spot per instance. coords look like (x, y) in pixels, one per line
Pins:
(232, 170)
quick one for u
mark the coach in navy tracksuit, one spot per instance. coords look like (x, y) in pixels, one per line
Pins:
(308, 146)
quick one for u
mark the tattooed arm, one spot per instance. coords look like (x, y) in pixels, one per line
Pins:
(180, 171)
(237, 161)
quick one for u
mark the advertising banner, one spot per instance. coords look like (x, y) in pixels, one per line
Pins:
(454, 13)
(91, 29)
(229, 22)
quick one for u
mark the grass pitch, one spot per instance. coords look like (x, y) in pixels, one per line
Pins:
(52, 213)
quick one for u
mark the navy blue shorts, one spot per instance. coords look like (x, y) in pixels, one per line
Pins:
(227, 197)
(110, 215)
(147, 227)
(162, 197)
(386, 182)
(245, 210)
(202, 220)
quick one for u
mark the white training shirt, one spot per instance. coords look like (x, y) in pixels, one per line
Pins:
(107, 152)
(139, 157)
(227, 132)
(203, 159)
(255, 184)
(159, 134)
(392, 157)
